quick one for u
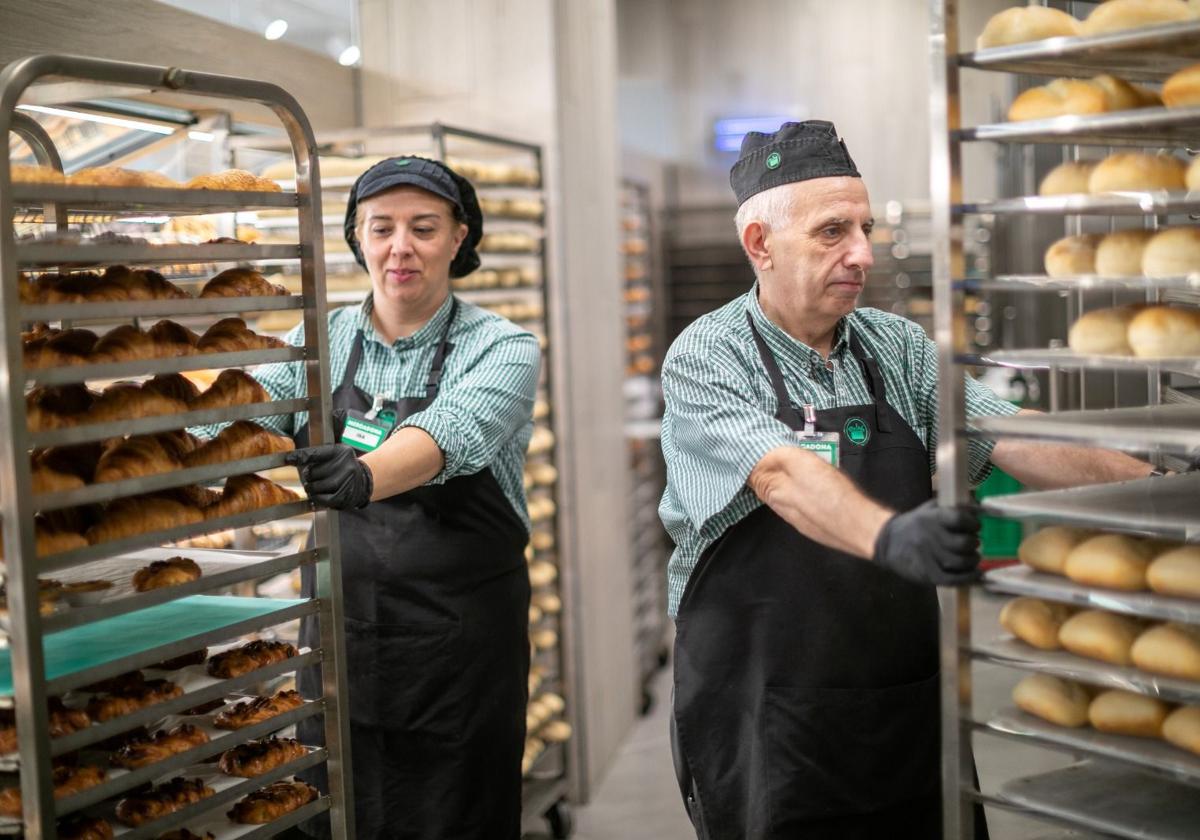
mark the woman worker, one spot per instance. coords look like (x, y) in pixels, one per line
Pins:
(433, 409)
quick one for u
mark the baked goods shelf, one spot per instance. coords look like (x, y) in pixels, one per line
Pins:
(1077, 283)
(42, 254)
(1150, 202)
(126, 309)
(1163, 506)
(1152, 429)
(140, 201)
(1022, 580)
(99, 551)
(1148, 54)
(166, 422)
(222, 829)
(1015, 654)
(1152, 127)
(177, 364)
(1157, 757)
(1054, 357)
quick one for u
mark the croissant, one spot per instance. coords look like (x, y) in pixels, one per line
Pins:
(233, 387)
(167, 798)
(83, 827)
(143, 284)
(272, 802)
(173, 339)
(129, 401)
(231, 335)
(67, 347)
(57, 406)
(249, 657)
(85, 286)
(162, 745)
(130, 699)
(67, 782)
(141, 514)
(233, 179)
(241, 282)
(52, 540)
(249, 492)
(254, 758)
(257, 710)
(192, 495)
(46, 480)
(78, 460)
(125, 343)
(174, 386)
(163, 573)
(62, 721)
(40, 329)
(241, 439)
(144, 455)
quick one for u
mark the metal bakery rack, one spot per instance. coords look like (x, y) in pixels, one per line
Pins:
(1120, 786)
(58, 654)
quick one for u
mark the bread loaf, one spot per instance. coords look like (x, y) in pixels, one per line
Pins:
(1073, 255)
(1103, 331)
(1182, 90)
(1120, 15)
(1047, 550)
(1159, 332)
(1034, 621)
(1058, 701)
(1069, 178)
(1022, 24)
(1134, 171)
(1176, 572)
(1172, 650)
(1182, 728)
(1126, 713)
(1120, 253)
(1174, 252)
(1059, 98)
(1114, 561)
(1101, 635)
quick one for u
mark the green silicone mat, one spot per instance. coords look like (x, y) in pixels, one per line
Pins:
(83, 647)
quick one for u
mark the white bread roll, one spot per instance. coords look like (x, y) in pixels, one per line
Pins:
(1120, 253)
(1192, 179)
(1073, 255)
(1103, 331)
(1047, 550)
(1176, 572)
(1022, 24)
(1182, 728)
(1182, 90)
(1133, 171)
(1034, 621)
(1171, 649)
(1120, 95)
(1159, 332)
(1126, 713)
(1119, 15)
(1068, 178)
(1059, 98)
(1113, 561)
(1052, 699)
(1101, 635)
(1174, 252)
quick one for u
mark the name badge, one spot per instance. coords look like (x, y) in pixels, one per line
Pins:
(363, 435)
(825, 445)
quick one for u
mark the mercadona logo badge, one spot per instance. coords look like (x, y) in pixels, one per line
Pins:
(857, 431)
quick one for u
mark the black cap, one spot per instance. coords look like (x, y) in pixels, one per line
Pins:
(432, 176)
(796, 152)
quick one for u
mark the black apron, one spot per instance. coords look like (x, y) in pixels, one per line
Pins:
(436, 593)
(806, 680)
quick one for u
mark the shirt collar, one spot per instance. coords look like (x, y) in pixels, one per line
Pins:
(429, 333)
(784, 346)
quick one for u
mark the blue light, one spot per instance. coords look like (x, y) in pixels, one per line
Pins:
(728, 133)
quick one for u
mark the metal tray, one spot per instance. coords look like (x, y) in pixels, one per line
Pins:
(39, 254)
(1079, 283)
(1155, 429)
(1022, 580)
(126, 309)
(214, 820)
(1158, 203)
(1040, 358)
(149, 367)
(1152, 127)
(138, 201)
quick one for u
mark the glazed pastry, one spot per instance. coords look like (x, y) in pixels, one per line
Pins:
(272, 802)
(163, 573)
(257, 710)
(83, 827)
(162, 745)
(230, 335)
(242, 439)
(63, 721)
(121, 682)
(232, 387)
(130, 401)
(129, 700)
(254, 758)
(196, 657)
(167, 798)
(58, 406)
(245, 493)
(241, 282)
(145, 455)
(140, 514)
(67, 782)
(248, 657)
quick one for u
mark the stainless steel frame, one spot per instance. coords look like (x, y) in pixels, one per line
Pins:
(18, 504)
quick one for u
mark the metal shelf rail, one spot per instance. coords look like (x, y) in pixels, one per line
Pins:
(140, 630)
(1126, 787)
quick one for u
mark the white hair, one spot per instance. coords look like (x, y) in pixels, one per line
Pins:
(771, 208)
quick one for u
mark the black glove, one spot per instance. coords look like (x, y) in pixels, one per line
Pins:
(931, 544)
(333, 476)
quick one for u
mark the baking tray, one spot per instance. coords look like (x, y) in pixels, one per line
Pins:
(126, 309)
(1053, 357)
(1151, 127)
(1149, 202)
(1075, 283)
(177, 364)
(1160, 429)
(141, 201)
(1022, 580)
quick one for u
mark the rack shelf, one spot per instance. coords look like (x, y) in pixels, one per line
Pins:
(1035, 358)
(44, 254)
(1078, 283)
(139, 201)
(178, 364)
(1021, 580)
(1153, 127)
(1171, 429)
(1157, 202)
(126, 309)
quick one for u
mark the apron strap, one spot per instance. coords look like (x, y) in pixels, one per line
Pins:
(439, 358)
(352, 363)
(786, 412)
(875, 382)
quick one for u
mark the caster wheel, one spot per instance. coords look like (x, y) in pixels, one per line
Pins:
(647, 702)
(664, 656)
(561, 819)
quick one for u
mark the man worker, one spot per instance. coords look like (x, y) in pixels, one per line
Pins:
(799, 435)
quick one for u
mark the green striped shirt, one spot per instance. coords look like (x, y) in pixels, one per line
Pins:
(720, 411)
(483, 414)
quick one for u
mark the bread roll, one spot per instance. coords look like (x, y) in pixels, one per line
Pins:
(1172, 650)
(1174, 252)
(1047, 550)
(1022, 24)
(1073, 255)
(1120, 253)
(1069, 178)
(1159, 332)
(1182, 728)
(1192, 179)
(1103, 331)
(1059, 98)
(22, 173)
(1127, 171)
(1058, 701)
(1113, 561)
(1101, 635)
(1119, 15)
(1034, 621)
(1126, 713)
(1176, 572)
(1120, 95)
(1182, 90)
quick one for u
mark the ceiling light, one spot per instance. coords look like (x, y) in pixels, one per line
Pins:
(203, 136)
(98, 118)
(349, 56)
(275, 29)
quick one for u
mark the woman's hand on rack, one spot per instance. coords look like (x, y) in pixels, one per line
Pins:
(333, 476)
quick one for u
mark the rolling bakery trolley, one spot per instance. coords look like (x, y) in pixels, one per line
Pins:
(82, 656)
(1119, 785)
